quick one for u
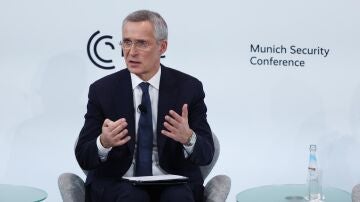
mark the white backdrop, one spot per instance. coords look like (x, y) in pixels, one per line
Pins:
(264, 116)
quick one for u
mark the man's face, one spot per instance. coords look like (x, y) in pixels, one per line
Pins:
(141, 49)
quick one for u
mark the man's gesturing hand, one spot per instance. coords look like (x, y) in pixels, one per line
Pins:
(114, 133)
(177, 127)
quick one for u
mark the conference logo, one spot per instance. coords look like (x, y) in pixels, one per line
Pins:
(95, 42)
(279, 55)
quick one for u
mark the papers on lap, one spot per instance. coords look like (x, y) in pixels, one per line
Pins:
(157, 180)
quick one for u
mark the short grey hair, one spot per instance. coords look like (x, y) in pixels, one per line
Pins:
(159, 24)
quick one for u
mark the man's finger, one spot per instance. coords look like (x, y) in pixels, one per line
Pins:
(119, 128)
(176, 116)
(167, 133)
(121, 134)
(169, 127)
(184, 112)
(107, 122)
(123, 141)
(115, 124)
(172, 121)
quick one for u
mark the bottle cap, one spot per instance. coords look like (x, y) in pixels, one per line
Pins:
(312, 147)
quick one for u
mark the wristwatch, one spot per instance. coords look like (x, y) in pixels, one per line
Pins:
(191, 140)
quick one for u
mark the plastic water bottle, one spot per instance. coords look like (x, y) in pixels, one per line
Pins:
(314, 177)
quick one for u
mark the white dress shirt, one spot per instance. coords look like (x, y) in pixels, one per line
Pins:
(154, 98)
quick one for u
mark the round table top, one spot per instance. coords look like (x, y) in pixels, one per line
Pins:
(17, 193)
(289, 193)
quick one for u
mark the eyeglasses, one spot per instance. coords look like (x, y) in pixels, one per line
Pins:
(138, 44)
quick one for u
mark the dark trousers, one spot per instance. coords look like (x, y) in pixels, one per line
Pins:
(124, 191)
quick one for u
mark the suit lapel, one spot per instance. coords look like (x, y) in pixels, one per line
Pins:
(124, 100)
(167, 95)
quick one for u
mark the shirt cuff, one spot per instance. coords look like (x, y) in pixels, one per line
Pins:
(189, 149)
(102, 151)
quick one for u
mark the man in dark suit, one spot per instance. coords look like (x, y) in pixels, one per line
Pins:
(147, 119)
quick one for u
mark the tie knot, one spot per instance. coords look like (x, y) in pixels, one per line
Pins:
(144, 87)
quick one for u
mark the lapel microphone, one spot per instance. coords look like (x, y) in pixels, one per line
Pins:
(142, 108)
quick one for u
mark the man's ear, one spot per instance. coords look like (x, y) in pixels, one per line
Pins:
(163, 46)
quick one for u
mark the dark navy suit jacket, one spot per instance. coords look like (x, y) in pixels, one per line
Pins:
(112, 97)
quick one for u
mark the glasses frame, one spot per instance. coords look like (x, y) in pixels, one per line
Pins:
(137, 44)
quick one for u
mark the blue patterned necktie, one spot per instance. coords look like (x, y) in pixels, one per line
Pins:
(143, 166)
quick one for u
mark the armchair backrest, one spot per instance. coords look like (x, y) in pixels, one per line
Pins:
(205, 170)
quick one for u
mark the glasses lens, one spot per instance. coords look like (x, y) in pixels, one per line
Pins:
(139, 44)
(126, 44)
(142, 44)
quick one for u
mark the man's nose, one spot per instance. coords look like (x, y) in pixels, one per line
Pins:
(133, 50)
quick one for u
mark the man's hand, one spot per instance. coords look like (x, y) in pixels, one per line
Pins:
(177, 127)
(114, 133)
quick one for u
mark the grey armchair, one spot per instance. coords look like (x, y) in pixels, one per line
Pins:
(216, 190)
(356, 193)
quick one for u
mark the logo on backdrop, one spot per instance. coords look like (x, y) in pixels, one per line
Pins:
(93, 54)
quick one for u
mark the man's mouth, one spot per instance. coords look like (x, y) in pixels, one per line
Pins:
(134, 62)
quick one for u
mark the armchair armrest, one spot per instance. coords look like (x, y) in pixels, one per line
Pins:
(71, 187)
(356, 193)
(217, 189)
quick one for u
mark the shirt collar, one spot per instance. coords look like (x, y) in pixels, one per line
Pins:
(154, 81)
